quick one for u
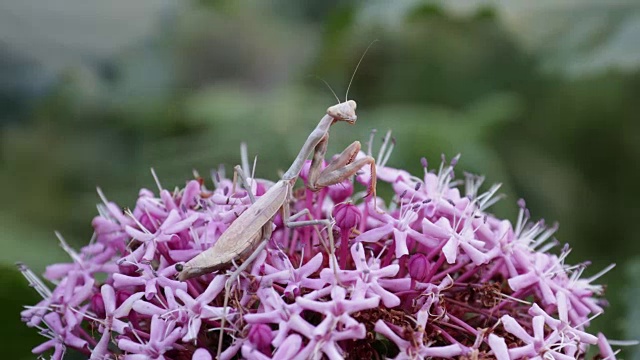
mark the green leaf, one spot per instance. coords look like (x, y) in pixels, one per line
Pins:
(17, 338)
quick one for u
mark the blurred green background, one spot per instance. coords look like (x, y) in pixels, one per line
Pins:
(541, 96)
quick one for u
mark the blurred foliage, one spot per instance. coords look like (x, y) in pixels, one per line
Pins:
(549, 111)
(14, 333)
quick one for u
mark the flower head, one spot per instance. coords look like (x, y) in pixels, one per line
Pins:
(434, 275)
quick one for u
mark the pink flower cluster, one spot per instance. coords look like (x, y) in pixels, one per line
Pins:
(428, 274)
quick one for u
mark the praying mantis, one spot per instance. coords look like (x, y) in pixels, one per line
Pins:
(250, 233)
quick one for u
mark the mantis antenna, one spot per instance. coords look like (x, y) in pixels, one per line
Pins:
(346, 95)
(329, 86)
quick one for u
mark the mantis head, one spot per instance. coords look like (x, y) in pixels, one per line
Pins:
(345, 111)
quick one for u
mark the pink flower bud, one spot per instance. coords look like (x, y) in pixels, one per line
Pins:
(260, 336)
(261, 189)
(127, 269)
(97, 305)
(347, 215)
(201, 354)
(419, 267)
(340, 192)
(304, 172)
(122, 296)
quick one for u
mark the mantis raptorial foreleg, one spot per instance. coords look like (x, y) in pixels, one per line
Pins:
(341, 167)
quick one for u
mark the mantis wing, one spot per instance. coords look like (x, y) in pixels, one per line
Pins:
(241, 236)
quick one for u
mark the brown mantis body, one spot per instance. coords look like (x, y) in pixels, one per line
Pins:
(245, 233)
(248, 235)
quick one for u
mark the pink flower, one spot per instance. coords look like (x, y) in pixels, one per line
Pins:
(162, 336)
(419, 267)
(432, 274)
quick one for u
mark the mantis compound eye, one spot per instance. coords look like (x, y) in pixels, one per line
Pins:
(344, 112)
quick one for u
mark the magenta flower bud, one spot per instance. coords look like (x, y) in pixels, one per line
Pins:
(260, 189)
(341, 192)
(260, 335)
(304, 173)
(347, 215)
(201, 354)
(97, 305)
(522, 204)
(122, 296)
(419, 267)
(455, 160)
(127, 269)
